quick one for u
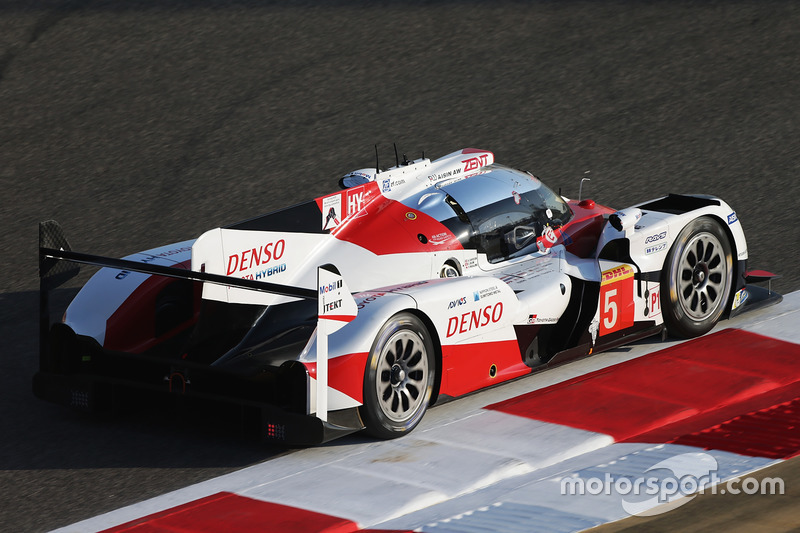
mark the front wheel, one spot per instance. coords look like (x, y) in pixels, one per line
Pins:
(399, 378)
(697, 278)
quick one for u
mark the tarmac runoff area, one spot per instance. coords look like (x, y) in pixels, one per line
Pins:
(558, 451)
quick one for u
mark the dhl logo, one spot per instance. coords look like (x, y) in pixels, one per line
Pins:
(616, 274)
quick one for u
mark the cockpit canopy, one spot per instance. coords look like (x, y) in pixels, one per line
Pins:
(500, 211)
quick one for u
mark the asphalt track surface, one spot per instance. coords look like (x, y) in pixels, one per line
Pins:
(136, 125)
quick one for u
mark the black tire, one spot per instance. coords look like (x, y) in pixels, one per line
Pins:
(697, 279)
(399, 378)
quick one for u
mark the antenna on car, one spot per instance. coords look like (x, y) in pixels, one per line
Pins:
(377, 163)
(580, 189)
(396, 157)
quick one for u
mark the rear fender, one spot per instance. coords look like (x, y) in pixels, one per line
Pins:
(111, 293)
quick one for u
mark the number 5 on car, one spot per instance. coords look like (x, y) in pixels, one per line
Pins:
(616, 299)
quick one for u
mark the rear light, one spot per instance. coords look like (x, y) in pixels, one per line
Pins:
(276, 431)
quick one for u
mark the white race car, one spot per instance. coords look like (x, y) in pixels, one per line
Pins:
(438, 278)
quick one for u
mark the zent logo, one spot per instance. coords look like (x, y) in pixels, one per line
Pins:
(474, 163)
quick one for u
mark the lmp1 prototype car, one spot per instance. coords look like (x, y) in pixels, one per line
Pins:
(359, 309)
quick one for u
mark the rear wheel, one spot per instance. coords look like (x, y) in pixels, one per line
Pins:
(697, 277)
(399, 378)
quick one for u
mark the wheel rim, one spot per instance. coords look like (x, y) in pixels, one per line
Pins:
(402, 376)
(702, 276)
(448, 271)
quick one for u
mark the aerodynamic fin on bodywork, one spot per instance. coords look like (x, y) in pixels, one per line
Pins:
(53, 273)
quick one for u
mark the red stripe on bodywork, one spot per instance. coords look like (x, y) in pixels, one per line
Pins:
(338, 318)
(581, 234)
(384, 226)
(232, 513)
(345, 374)
(389, 227)
(468, 367)
(131, 328)
(687, 388)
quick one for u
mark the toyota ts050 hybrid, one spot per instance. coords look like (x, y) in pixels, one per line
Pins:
(361, 308)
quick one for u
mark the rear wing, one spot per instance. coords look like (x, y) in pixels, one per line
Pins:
(53, 247)
(57, 266)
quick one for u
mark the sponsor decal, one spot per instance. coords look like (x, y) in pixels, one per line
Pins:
(456, 303)
(654, 300)
(472, 262)
(335, 308)
(174, 251)
(266, 272)
(253, 257)
(331, 211)
(620, 272)
(739, 298)
(656, 237)
(474, 163)
(517, 197)
(369, 299)
(548, 239)
(355, 201)
(732, 218)
(534, 319)
(352, 202)
(332, 306)
(330, 287)
(444, 175)
(411, 216)
(484, 293)
(439, 238)
(655, 249)
(616, 299)
(474, 320)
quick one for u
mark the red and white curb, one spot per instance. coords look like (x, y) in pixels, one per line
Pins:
(496, 460)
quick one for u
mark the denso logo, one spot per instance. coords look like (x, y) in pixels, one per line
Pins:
(253, 257)
(460, 301)
(475, 320)
(654, 238)
(474, 163)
